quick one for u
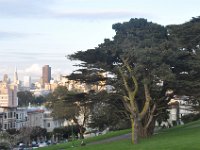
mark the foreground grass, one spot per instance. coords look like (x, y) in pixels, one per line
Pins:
(184, 137)
(77, 143)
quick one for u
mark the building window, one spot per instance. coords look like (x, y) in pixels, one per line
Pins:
(48, 125)
(12, 97)
(16, 116)
(5, 116)
(5, 126)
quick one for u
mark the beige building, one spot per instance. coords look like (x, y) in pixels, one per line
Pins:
(50, 86)
(8, 104)
(8, 95)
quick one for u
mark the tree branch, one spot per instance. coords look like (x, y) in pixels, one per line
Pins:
(151, 116)
(147, 102)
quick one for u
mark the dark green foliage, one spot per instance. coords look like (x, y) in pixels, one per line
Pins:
(92, 76)
(196, 104)
(107, 111)
(39, 100)
(66, 132)
(103, 116)
(4, 146)
(37, 132)
(12, 131)
(190, 117)
(24, 98)
(69, 105)
(107, 116)
(63, 103)
(187, 34)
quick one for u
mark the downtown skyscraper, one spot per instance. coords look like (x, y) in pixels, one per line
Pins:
(46, 74)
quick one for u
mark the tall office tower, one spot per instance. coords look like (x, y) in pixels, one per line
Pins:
(16, 81)
(27, 81)
(46, 74)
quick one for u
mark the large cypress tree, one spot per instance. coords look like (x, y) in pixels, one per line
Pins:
(148, 61)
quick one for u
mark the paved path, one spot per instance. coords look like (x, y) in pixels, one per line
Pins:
(121, 137)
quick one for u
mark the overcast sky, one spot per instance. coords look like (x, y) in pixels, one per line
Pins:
(34, 33)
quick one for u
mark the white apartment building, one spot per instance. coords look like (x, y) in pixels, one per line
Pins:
(35, 117)
(21, 118)
(42, 118)
(50, 123)
(1, 120)
(27, 82)
(9, 118)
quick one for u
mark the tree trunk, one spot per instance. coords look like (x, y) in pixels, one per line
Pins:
(151, 127)
(81, 129)
(132, 131)
(81, 132)
(136, 130)
(145, 132)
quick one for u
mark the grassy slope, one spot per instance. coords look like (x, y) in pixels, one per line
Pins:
(185, 137)
(88, 140)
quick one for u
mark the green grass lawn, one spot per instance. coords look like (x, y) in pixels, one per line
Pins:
(186, 137)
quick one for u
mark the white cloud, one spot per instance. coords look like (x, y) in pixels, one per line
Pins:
(34, 69)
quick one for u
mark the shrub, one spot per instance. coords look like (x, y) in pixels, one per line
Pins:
(4, 146)
(190, 117)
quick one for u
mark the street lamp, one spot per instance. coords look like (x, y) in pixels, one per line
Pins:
(72, 122)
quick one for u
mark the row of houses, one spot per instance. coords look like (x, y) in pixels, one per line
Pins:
(12, 116)
(28, 117)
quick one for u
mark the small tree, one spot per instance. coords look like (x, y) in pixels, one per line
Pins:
(37, 132)
(25, 135)
(70, 105)
(24, 98)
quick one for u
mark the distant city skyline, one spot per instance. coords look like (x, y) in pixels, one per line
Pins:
(34, 33)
